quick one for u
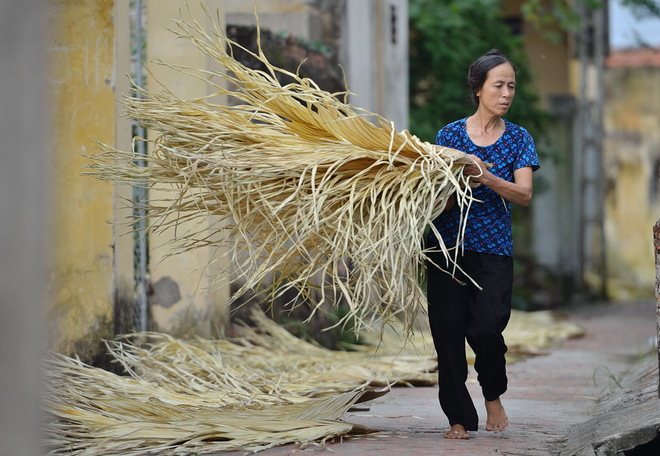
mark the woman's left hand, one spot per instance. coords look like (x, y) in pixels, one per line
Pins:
(519, 191)
(477, 170)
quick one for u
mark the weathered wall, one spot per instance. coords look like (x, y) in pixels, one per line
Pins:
(376, 57)
(294, 17)
(123, 242)
(632, 157)
(91, 272)
(88, 55)
(555, 238)
(81, 76)
(184, 299)
(180, 302)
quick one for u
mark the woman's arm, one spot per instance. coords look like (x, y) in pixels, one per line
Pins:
(519, 191)
(451, 202)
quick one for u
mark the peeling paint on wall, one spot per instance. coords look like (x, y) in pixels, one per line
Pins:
(80, 62)
(632, 154)
(164, 293)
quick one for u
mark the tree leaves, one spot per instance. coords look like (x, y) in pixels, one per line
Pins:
(445, 37)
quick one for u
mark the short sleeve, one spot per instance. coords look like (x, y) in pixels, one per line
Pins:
(527, 155)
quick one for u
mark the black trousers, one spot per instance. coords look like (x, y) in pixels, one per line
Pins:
(459, 312)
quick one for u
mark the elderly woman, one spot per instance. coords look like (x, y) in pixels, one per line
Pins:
(457, 308)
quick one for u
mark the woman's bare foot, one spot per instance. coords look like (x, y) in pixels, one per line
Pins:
(496, 419)
(457, 432)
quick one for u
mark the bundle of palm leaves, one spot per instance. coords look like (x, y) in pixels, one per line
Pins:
(306, 191)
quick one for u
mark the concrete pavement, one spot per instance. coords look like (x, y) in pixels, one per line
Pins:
(549, 395)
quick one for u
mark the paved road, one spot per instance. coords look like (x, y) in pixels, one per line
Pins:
(548, 395)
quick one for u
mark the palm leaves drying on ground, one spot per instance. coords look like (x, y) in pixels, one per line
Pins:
(101, 413)
(306, 191)
(260, 389)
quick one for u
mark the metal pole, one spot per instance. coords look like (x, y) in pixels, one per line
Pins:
(579, 164)
(591, 173)
(599, 62)
(140, 192)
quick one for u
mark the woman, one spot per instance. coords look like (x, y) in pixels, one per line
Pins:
(459, 310)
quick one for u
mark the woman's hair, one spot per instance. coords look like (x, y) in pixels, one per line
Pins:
(479, 69)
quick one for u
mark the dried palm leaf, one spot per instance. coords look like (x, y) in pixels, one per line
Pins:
(306, 191)
(268, 358)
(527, 334)
(97, 412)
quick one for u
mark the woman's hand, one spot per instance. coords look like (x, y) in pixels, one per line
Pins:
(451, 202)
(478, 170)
(519, 191)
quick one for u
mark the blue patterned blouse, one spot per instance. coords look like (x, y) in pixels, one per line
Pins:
(488, 228)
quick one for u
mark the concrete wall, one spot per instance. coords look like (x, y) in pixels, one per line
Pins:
(82, 73)
(376, 57)
(90, 281)
(555, 237)
(91, 269)
(122, 237)
(293, 17)
(632, 158)
(185, 301)
(550, 60)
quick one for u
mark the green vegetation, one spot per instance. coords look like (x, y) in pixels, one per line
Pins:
(445, 37)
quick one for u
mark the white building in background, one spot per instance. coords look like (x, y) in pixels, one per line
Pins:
(376, 57)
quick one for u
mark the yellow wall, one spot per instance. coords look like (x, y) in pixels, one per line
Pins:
(632, 149)
(80, 67)
(91, 272)
(548, 60)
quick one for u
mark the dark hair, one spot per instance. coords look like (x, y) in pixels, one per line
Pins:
(479, 69)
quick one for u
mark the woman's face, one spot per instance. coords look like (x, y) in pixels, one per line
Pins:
(498, 90)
